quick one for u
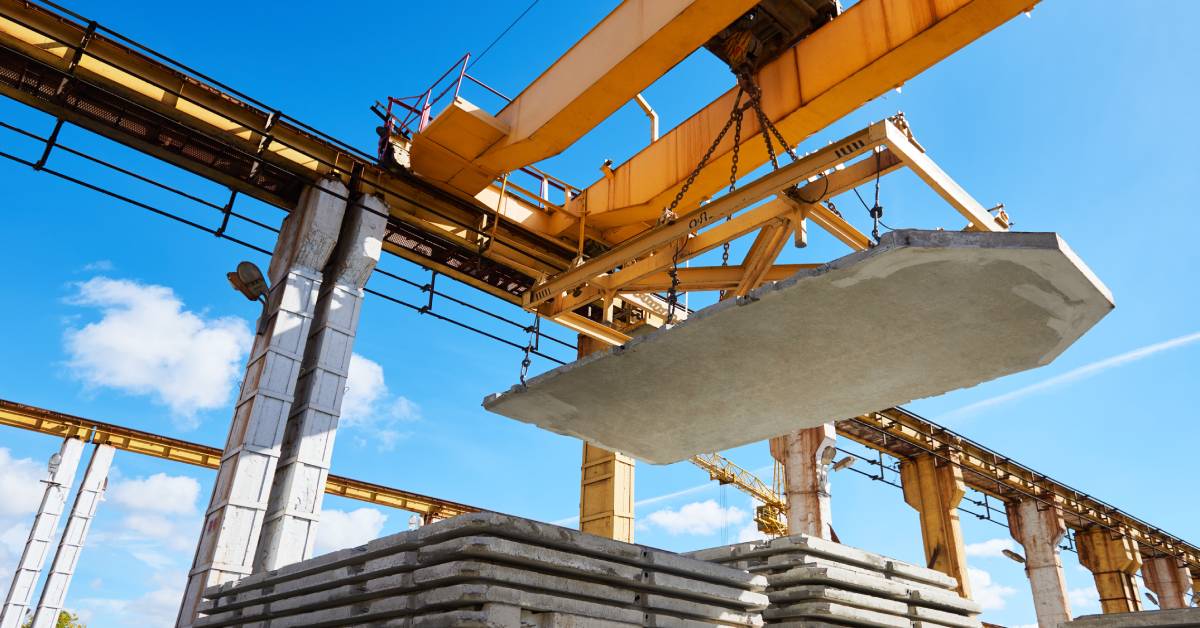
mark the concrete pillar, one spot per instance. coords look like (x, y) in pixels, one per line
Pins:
(235, 513)
(1113, 558)
(87, 499)
(45, 522)
(934, 487)
(1039, 527)
(297, 492)
(606, 482)
(1169, 579)
(805, 455)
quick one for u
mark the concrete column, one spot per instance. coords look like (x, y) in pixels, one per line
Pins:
(805, 455)
(1168, 579)
(235, 513)
(1039, 527)
(87, 499)
(45, 522)
(606, 482)
(1113, 558)
(294, 507)
(934, 487)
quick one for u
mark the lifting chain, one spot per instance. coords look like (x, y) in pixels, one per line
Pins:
(535, 332)
(669, 215)
(733, 169)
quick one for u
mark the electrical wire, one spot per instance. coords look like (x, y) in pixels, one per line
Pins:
(423, 310)
(503, 33)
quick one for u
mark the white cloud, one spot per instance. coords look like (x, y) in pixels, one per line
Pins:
(990, 595)
(153, 609)
(1084, 599)
(991, 548)
(20, 484)
(341, 529)
(368, 405)
(1074, 375)
(20, 494)
(699, 518)
(750, 532)
(98, 266)
(159, 493)
(146, 343)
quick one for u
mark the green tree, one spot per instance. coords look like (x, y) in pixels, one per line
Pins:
(65, 620)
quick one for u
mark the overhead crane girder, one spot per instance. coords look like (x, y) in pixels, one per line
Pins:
(635, 44)
(872, 47)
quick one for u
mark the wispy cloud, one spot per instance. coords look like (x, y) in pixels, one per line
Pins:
(1074, 375)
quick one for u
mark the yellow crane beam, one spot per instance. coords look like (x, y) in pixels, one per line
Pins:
(44, 421)
(635, 44)
(872, 47)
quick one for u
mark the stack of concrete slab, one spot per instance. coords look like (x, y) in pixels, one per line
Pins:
(1174, 618)
(492, 570)
(813, 582)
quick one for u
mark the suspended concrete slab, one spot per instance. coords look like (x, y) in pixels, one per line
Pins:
(923, 313)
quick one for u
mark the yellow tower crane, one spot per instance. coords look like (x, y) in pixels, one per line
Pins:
(769, 515)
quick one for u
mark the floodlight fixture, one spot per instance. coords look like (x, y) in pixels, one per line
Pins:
(1153, 600)
(1013, 556)
(827, 455)
(249, 281)
(844, 463)
(54, 463)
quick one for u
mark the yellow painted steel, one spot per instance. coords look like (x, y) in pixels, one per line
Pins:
(902, 434)
(769, 515)
(1113, 558)
(44, 421)
(934, 487)
(874, 46)
(635, 44)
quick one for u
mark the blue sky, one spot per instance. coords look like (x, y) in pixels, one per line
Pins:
(1077, 118)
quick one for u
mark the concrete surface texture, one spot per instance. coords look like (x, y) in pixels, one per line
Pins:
(486, 569)
(1180, 618)
(1038, 526)
(814, 581)
(921, 314)
(234, 517)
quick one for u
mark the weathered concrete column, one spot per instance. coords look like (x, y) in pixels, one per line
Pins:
(87, 499)
(294, 507)
(1169, 579)
(45, 523)
(805, 457)
(1113, 558)
(934, 487)
(235, 513)
(1039, 527)
(606, 482)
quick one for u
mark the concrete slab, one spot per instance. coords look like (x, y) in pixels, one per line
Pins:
(836, 613)
(1180, 617)
(937, 310)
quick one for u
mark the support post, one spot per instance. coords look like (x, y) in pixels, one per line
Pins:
(1113, 558)
(1039, 527)
(606, 482)
(933, 485)
(805, 455)
(87, 499)
(1169, 579)
(294, 507)
(235, 513)
(33, 558)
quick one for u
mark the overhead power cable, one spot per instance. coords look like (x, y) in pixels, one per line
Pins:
(420, 309)
(503, 33)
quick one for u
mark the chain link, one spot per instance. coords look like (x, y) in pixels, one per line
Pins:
(535, 331)
(733, 170)
(669, 215)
